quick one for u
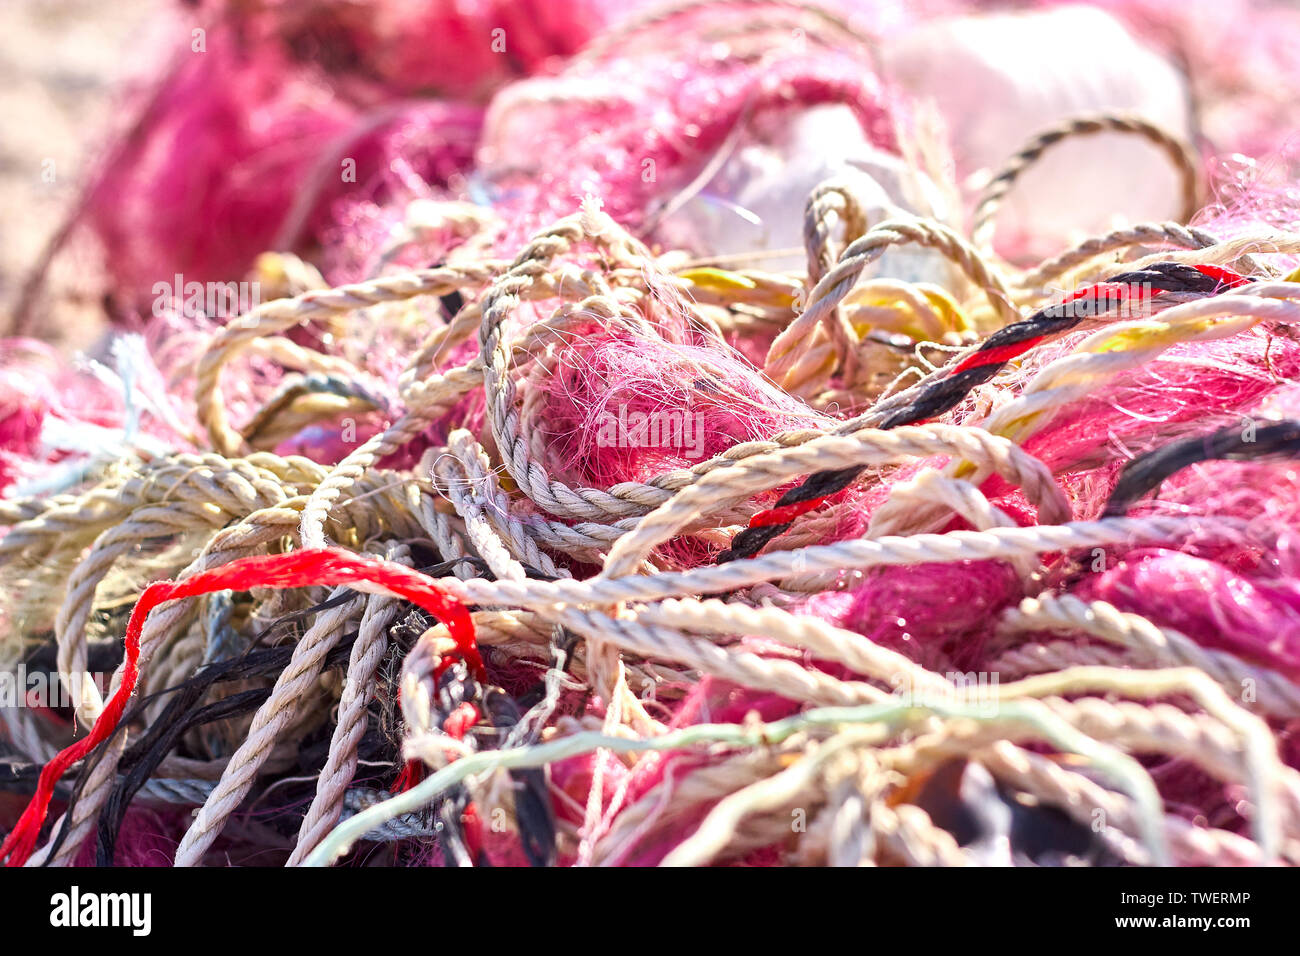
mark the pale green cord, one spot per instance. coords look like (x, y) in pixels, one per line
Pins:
(1124, 770)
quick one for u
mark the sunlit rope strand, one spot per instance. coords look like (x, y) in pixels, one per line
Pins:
(1179, 152)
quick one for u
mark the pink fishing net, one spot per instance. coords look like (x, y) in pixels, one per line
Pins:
(357, 144)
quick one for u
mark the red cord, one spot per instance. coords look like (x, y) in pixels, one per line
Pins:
(412, 773)
(460, 720)
(784, 513)
(1228, 278)
(996, 356)
(316, 566)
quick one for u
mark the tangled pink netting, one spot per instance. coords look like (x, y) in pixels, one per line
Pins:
(358, 144)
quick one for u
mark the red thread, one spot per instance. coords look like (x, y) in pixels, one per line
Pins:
(1228, 278)
(412, 773)
(996, 356)
(782, 514)
(316, 566)
(460, 720)
(473, 826)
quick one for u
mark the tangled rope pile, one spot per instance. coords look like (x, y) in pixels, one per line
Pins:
(906, 601)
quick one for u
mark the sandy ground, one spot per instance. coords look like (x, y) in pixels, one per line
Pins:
(62, 63)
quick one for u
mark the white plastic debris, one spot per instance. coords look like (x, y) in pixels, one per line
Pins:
(998, 80)
(755, 201)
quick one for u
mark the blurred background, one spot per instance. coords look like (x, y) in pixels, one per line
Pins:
(76, 73)
(62, 67)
